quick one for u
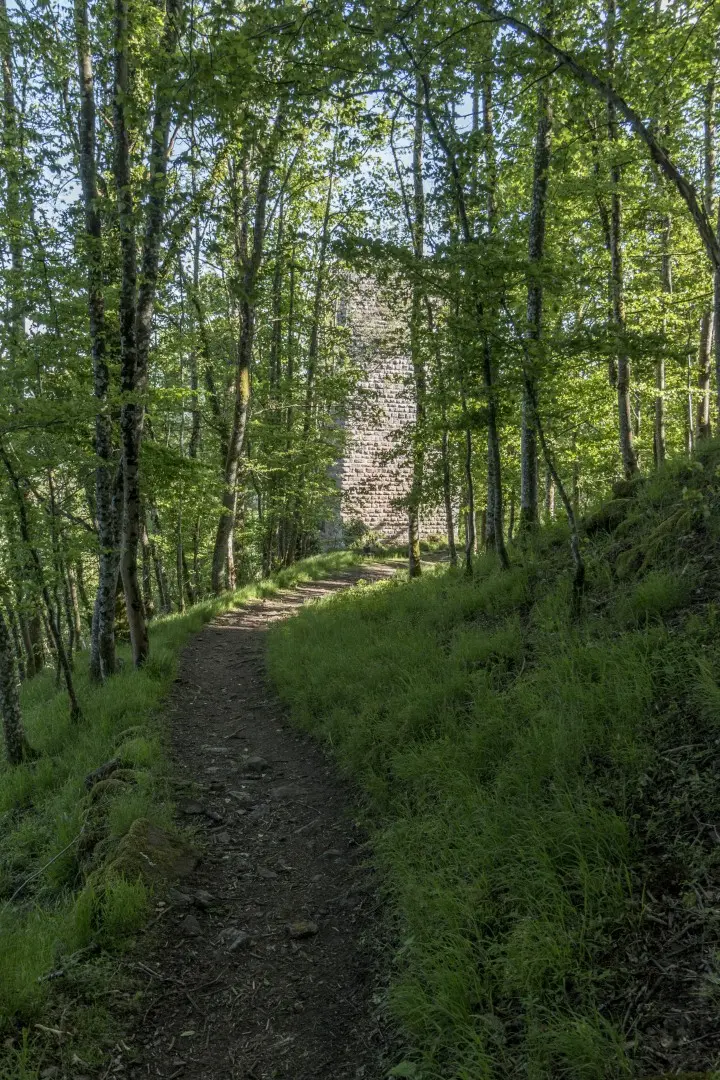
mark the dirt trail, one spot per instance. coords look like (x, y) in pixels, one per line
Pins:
(264, 965)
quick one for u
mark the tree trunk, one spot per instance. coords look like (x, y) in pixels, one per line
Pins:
(489, 536)
(75, 608)
(549, 497)
(102, 662)
(418, 366)
(17, 644)
(12, 169)
(494, 467)
(659, 446)
(248, 301)
(35, 643)
(137, 295)
(536, 244)
(17, 748)
(628, 454)
(147, 572)
(469, 495)
(447, 496)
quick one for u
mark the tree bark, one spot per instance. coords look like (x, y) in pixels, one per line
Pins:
(628, 453)
(248, 302)
(17, 747)
(102, 662)
(536, 245)
(137, 293)
(52, 616)
(418, 366)
(659, 445)
(705, 343)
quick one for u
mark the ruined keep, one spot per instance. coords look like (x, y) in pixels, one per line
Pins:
(373, 477)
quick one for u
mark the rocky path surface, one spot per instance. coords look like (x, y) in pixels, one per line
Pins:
(263, 964)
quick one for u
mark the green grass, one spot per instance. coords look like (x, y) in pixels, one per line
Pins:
(513, 764)
(47, 825)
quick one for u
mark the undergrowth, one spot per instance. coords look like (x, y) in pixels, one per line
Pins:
(544, 792)
(56, 908)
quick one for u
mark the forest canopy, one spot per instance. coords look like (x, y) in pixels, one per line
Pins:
(189, 191)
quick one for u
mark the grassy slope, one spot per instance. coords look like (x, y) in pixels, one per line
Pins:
(544, 794)
(43, 806)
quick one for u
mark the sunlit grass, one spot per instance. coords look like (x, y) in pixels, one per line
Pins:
(496, 740)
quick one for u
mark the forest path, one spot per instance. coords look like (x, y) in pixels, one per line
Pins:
(263, 965)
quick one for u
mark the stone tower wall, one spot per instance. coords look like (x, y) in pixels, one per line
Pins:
(372, 477)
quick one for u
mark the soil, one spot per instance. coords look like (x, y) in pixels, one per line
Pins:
(264, 962)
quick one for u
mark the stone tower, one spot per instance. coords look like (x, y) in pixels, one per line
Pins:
(374, 475)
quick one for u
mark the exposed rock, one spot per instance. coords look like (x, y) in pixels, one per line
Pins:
(255, 763)
(264, 872)
(190, 927)
(106, 789)
(234, 939)
(608, 516)
(283, 792)
(179, 898)
(192, 809)
(150, 853)
(102, 772)
(302, 929)
(243, 798)
(203, 899)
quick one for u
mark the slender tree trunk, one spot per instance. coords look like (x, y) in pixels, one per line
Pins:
(179, 560)
(147, 571)
(418, 365)
(17, 644)
(35, 642)
(236, 440)
(690, 410)
(536, 244)
(659, 446)
(102, 660)
(549, 496)
(447, 496)
(131, 411)
(17, 747)
(137, 294)
(12, 168)
(494, 467)
(469, 493)
(75, 607)
(628, 453)
(53, 620)
(489, 534)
